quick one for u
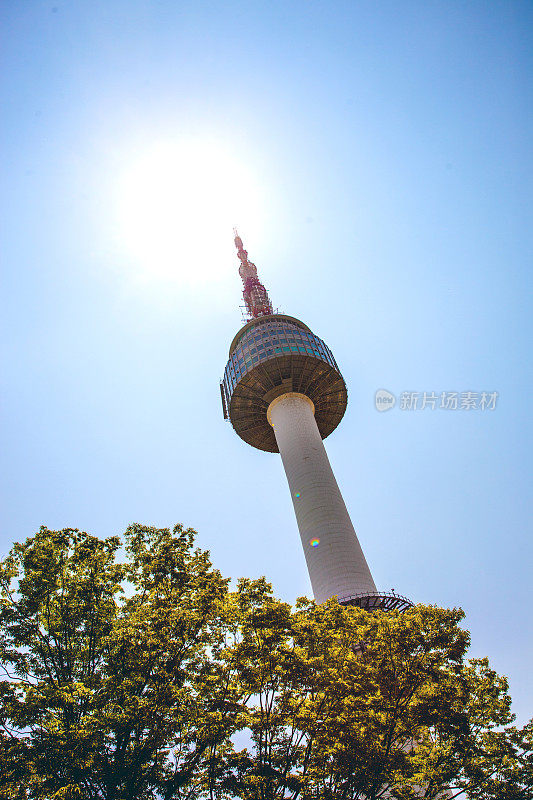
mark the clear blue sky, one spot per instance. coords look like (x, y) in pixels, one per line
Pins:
(388, 151)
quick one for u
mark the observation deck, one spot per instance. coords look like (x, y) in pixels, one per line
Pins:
(272, 355)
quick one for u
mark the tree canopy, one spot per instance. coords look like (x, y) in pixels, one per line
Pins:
(132, 672)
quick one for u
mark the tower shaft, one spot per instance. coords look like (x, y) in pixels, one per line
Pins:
(336, 563)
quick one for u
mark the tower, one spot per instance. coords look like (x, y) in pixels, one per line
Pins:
(283, 392)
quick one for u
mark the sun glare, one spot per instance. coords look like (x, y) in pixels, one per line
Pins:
(177, 204)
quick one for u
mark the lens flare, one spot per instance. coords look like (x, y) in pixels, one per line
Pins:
(314, 542)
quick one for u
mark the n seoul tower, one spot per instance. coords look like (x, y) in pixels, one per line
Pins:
(283, 392)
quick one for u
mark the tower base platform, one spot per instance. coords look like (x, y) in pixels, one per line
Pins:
(377, 601)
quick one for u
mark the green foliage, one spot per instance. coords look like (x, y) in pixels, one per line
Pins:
(102, 686)
(128, 680)
(349, 704)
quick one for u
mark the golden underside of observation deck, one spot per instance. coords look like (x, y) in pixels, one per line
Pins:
(276, 376)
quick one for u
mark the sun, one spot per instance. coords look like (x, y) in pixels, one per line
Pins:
(176, 205)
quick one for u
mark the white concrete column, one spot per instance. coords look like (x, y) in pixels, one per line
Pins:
(334, 557)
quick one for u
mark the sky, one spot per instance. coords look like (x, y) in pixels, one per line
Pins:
(376, 159)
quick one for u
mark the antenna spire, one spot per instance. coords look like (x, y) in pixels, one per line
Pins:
(254, 293)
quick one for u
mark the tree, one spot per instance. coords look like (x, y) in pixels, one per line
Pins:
(129, 672)
(110, 694)
(348, 704)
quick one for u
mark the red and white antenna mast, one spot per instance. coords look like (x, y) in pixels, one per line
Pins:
(254, 293)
